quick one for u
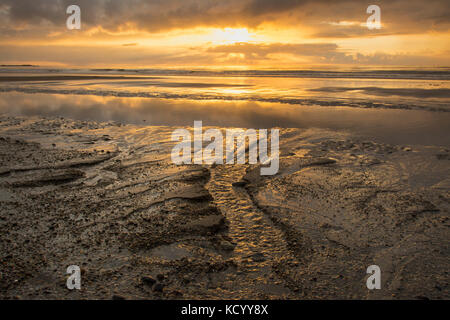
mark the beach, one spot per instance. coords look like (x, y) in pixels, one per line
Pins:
(106, 196)
(216, 159)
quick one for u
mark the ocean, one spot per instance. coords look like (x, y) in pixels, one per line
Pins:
(397, 106)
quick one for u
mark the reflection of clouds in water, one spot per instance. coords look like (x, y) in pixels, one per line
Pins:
(394, 125)
(378, 91)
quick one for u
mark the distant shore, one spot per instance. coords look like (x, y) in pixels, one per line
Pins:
(18, 65)
(64, 78)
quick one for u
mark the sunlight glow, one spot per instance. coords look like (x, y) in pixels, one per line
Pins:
(230, 35)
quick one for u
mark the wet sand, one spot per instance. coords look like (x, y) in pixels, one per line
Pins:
(106, 197)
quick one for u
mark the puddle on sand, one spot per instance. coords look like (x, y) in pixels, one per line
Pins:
(259, 244)
(6, 196)
(172, 251)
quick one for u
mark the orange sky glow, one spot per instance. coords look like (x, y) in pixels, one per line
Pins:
(232, 34)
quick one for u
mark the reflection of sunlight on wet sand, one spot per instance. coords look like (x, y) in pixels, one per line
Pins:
(237, 91)
(394, 124)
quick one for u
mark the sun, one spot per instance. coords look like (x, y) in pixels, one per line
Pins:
(230, 35)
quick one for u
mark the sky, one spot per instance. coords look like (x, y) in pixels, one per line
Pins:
(254, 34)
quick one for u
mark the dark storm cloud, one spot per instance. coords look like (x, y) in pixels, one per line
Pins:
(53, 11)
(399, 16)
(262, 7)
